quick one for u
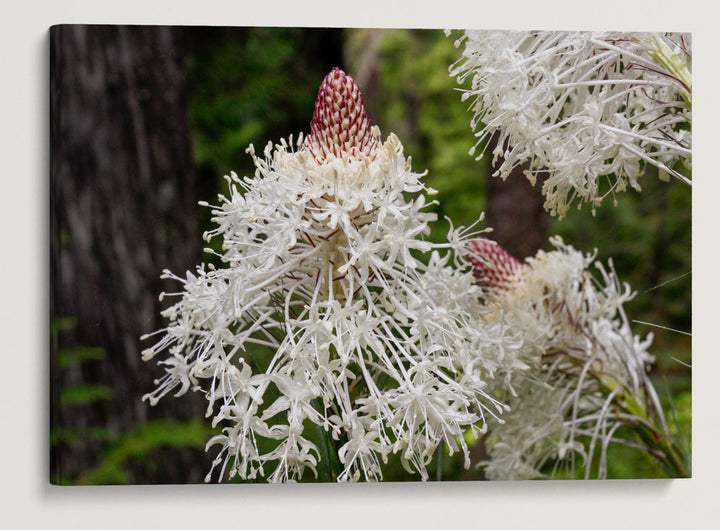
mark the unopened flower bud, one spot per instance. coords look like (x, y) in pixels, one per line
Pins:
(340, 126)
(495, 269)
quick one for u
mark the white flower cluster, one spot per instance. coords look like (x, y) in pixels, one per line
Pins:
(580, 107)
(587, 361)
(371, 351)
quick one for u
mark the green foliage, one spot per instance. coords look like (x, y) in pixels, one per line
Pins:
(84, 394)
(74, 356)
(123, 452)
(420, 103)
(61, 324)
(70, 436)
(680, 423)
(140, 444)
(251, 85)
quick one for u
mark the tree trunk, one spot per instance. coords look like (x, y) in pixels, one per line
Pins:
(515, 212)
(121, 210)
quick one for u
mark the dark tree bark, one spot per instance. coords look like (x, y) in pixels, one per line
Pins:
(516, 214)
(122, 210)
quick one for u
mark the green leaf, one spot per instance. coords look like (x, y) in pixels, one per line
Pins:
(62, 324)
(139, 443)
(84, 394)
(75, 356)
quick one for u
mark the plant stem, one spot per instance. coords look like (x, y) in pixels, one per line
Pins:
(658, 440)
(438, 473)
(328, 464)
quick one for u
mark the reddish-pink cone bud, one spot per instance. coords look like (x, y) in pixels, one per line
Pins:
(340, 126)
(495, 269)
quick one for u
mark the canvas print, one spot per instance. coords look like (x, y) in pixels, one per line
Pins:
(368, 255)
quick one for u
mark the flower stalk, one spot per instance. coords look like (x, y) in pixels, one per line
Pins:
(656, 438)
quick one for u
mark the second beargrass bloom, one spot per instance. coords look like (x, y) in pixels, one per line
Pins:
(585, 112)
(589, 376)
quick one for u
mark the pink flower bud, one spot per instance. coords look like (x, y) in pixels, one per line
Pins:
(495, 269)
(340, 127)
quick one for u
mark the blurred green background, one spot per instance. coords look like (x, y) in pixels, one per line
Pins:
(254, 85)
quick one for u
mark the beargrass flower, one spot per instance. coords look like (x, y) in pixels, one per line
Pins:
(369, 351)
(580, 108)
(590, 375)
